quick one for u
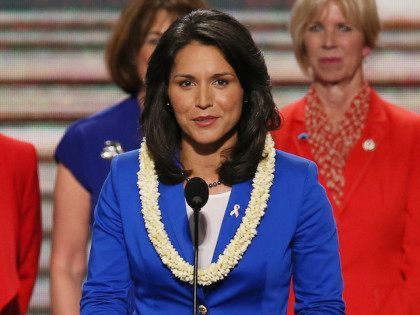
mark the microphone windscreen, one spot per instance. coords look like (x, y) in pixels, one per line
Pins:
(196, 193)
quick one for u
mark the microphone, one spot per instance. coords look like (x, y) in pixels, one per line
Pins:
(196, 194)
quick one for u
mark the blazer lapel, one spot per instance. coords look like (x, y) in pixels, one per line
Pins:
(300, 141)
(299, 133)
(239, 199)
(362, 155)
(175, 220)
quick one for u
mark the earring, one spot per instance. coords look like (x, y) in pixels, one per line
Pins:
(168, 104)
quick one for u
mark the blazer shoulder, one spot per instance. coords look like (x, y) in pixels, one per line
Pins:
(12, 148)
(396, 114)
(125, 165)
(290, 114)
(293, 107)
(292, 164)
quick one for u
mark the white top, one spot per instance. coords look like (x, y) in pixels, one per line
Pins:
(210, 222)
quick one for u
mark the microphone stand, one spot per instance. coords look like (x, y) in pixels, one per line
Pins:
(196, 195)
(196, 221)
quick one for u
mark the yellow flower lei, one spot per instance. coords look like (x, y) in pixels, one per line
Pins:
(149, 195)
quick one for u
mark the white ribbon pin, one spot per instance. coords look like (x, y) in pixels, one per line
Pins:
(235, 210)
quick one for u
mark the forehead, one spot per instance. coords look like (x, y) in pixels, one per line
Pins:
(198, 57)
(161, 22)
(327, 8)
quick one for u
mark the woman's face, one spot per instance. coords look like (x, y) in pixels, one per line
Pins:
(160, 24)
(205, 94)
(335, 49)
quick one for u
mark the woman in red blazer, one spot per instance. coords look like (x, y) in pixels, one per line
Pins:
(20, 232)
(367, 151)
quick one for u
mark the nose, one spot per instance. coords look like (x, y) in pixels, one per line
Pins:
(329, 40)
(204, 98)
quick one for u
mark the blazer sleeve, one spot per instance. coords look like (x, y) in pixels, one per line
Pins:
(317, 276)
(106, 290)
(30, 230)
(411, 242)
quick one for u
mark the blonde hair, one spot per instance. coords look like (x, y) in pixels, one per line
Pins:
(130, 32)
(363, 12)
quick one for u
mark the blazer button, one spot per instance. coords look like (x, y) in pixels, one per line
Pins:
(202, 309)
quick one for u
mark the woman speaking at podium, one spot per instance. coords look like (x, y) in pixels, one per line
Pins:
(207, 113)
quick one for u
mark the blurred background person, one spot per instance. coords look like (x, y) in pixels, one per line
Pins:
(208, 112)
(20, 231)
(367, 152)
(84, 153)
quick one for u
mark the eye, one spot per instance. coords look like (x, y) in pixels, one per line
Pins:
(185, 83)
(316, 27)
(345, 28)
(221, 82)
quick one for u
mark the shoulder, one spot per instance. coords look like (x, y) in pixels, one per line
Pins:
(107, 118)
(290, 160)
(12, 148)
(395, 114)
(126, 163)
(294, 108)
(86, 136)
(293, 167)
(292, 115)
(293, 111)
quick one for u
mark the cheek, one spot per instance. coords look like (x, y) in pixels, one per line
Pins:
(310, 52)
(356, 54)
(356, 48)
(310, 42)
(181, 102)
(181, 106)
(233, 105)
(181, 117)
(143, 59)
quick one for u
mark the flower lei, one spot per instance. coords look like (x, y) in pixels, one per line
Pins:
(149, 195)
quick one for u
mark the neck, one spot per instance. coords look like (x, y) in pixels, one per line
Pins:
(337, 97)
(204, 160)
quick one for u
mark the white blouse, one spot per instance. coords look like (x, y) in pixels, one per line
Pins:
(210, 222)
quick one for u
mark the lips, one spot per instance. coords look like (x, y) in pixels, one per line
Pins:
(204, 121)
(330, 60)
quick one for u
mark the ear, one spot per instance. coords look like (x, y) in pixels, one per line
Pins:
(366, 51)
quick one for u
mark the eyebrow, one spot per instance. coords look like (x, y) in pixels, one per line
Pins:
(216, 75)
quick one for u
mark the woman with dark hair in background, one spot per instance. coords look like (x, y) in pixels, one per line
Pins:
(86, 149)
(20, 231)
(367, 152)
(208, 112)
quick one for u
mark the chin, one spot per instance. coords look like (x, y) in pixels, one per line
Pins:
(213, 140)
(329, 77)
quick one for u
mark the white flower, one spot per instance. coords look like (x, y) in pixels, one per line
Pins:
(232, 254)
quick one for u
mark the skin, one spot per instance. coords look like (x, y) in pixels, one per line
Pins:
(72, 210)
(335, 50)
(163, 20)
(207, 98)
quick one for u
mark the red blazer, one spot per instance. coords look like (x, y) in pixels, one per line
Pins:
(379, 220)
(20, 230)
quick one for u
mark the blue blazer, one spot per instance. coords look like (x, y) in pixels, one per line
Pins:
(296, 237)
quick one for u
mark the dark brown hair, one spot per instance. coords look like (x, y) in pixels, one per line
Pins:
(259, 114)
(129, 34)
